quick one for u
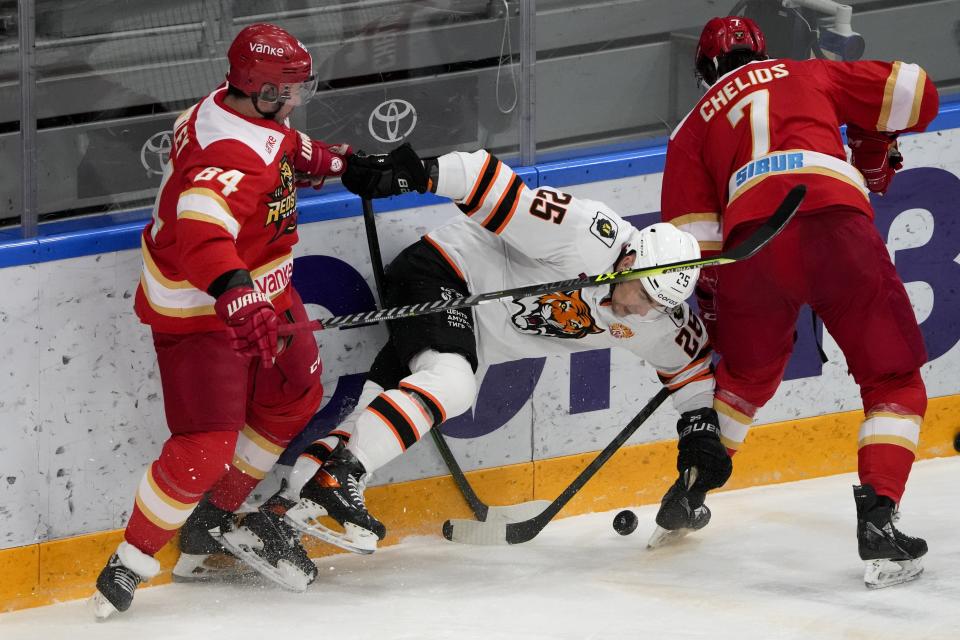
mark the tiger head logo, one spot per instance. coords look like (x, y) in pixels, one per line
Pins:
(559, 315)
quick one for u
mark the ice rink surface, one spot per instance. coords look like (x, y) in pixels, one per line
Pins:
(776, 562)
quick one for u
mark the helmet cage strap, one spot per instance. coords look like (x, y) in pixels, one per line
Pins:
(255, 99)
(269, 93)
(648, 288)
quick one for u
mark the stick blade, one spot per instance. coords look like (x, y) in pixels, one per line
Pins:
(516, 512)
(488, 533)
(772, 226)
(510, 524)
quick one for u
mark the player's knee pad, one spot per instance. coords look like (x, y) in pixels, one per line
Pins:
(903, 394)
(193, 462)
(282, 422)
(444, 382)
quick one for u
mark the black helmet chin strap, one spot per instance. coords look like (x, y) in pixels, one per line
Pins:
(269, 115)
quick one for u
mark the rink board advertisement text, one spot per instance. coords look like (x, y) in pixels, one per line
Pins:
(84, 416)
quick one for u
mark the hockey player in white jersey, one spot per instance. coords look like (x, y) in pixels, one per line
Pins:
(510, 236)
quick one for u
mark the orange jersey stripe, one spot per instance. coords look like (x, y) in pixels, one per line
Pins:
(692, 365)
(445, 256)
(488, 176)
(505, 204)
(513, 209)
(700, 378)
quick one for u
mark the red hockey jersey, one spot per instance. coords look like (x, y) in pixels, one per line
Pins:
(227, 201)
(769, 125)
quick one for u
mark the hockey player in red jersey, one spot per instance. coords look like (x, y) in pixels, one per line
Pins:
(510, 236)
(762, 127)
(215, 286)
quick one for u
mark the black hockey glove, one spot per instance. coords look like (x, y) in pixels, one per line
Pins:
(386, 174)
(700, 447)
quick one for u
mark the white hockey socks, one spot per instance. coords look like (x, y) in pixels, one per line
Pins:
(441, 386)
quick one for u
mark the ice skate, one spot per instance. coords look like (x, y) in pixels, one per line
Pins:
(336, 490)
(118, 581)
(202, 557)
(267, 543)
(681, 511)
(890, 556)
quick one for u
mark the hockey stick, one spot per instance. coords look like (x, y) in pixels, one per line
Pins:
(770, 228)
(497, 533)
(480, 510)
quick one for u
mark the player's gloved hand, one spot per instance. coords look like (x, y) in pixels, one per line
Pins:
(313, 161)
(700, 447)
(876, 155)
(388, 174)
(251, 322)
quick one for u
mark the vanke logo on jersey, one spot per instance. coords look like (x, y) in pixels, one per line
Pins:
(282, 208)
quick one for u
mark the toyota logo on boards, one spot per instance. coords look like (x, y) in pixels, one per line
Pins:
(155, 152)
(392, 121)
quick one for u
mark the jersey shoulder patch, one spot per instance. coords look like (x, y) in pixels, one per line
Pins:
(604, 228)
(678, 315)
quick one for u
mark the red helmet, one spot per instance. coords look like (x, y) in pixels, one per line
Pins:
(268, 63)
(724, 35)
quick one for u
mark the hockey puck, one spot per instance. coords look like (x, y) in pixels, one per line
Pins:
(625, 522)
(956, 443)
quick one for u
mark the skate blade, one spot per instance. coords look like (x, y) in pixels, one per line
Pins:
(887, 573)
(244, 545)
(662, 537)
(305, 518)
(214, 567)
(100, 607)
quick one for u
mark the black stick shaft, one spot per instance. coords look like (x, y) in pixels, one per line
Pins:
(373, 245)
(518, 532)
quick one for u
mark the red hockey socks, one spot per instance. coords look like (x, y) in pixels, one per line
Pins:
(188, 465)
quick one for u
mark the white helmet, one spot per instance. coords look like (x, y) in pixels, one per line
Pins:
(662, 243)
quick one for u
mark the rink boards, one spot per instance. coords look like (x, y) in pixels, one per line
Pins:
(82, 409)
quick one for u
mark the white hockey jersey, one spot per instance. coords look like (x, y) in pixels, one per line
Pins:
(514, 236)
